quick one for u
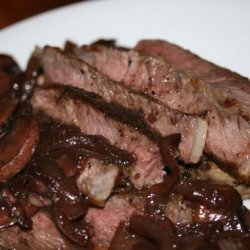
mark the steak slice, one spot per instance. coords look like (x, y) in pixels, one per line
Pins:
(234, 88)
(233, 98)
(147, 74)
(228, 139)
(61, 68)
(228, 134)
(74, 107)
(44, 235)
(105, 221)
(184, 60)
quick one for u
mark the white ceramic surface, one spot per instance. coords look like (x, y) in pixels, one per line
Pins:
(218, 30)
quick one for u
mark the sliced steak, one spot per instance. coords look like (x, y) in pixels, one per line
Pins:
(184, 60)
(231, 93)
(228, 139)
(61, 68)
(74, 107)
(17, 147)
(146, 71)
(225, 123)
(9, 84)
(148, 74)
(105, 221)
(44, 235)
(233, 88)
(8, 103)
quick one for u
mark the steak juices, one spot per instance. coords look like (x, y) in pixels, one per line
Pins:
(103, 147)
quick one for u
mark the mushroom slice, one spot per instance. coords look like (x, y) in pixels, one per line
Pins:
(8, 104)
(18, 146)
(5, 82)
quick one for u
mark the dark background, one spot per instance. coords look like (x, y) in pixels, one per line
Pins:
(12, 11)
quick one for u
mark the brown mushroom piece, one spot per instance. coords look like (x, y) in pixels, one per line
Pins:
(8, 104)
(5, 82)
(18, 146)
(8, 100)
(9, 66)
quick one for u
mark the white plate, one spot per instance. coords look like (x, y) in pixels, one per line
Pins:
(218, 30)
